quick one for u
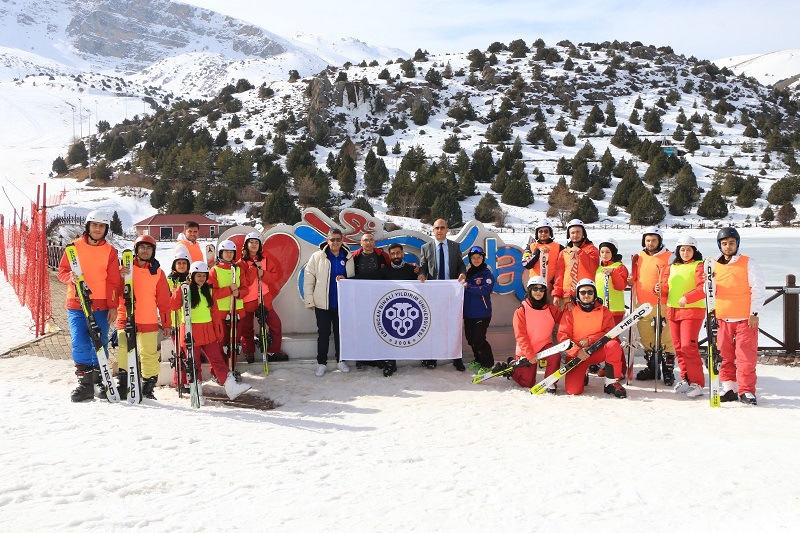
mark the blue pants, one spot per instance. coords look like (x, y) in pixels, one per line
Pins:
(83, 352)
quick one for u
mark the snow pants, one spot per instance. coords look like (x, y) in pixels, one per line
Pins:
(226, 335)
(647, 331)
(684, 337)
(738, 347)
(83, 352)
(475, 332)
(248, 331)
(525, 376)
(218, 362)
(147, 345)
(611, 354)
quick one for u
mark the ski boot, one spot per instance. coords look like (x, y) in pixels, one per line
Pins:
(148, 386)
(232, 388)
(615, 389)
(85, 389)
(100, 388)
(277, 357)
(122, 384)
(649, 372)
(389, 368)
(668, 369)
(250, 358)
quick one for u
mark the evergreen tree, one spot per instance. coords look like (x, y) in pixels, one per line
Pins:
(500, 181)
(60, 166)
(518, 193)
(375, 177)
(678, 135)
(116, 224)
(786, 214)
(580, 177)
(784, 190)
(362, 203)
(634, 118)
(274, 178)
(749, 193)
(420, 115)
(768, 215)
(561, 124)
(222, 138)
(279, 207)
(447, 208)
(401, 198)
(549, 144)
(347, 180)
(451, 144)
(564, 167)
(77, 154)
(611, 115)
(381, 147)
(482, 166)
(713, 205)
(647, 209)
(586, 211)
(117, 149)
(680, 201)
(691, 143)
(487, 209)
(569, 139)
(466, 185)
(279, 146)
(638, 103)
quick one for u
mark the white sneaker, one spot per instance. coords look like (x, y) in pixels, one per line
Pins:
(695, 390)
(233, 389)
(320, 370)
(343, 367)
(681, 387)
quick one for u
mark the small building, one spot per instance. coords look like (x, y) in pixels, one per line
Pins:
(167, 227)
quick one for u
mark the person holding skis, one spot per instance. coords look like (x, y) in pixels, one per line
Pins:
(682, 282)
(179, 273)
(100, 263)
(578, 260)
(152, 306)
(611, 269)
(740, 296)
(331, 263)
(584, 321)
(259, 269)
(206, 328)
(653, 259)
(541, 256)
(534, 325)
(225, 288)
(478, 287)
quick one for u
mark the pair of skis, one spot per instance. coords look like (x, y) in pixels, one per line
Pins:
(195, 387)
(627, 323)
(84, 296)
(553, 350)
(711, 333)
(263, 337)
(134, 373)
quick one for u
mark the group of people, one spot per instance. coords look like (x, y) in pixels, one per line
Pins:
(575, 292)
(213, 285)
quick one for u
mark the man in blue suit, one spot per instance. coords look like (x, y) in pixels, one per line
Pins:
(441, 259)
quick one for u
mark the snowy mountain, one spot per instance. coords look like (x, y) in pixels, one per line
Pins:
(179, 48)
(780, 69)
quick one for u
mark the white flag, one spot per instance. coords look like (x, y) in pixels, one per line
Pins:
(400, 319)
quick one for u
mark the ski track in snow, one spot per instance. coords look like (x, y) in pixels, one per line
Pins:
(420, 451)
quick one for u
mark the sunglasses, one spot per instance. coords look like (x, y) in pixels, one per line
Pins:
(538, 288)
(335, 239)
(586, 293)
(439, 227)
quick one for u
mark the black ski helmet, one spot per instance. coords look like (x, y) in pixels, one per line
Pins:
(725, 233)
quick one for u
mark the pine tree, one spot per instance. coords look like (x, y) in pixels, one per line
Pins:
(487, 209)
(768, 215)
(634, 118)
(569, 139)
(786, 214)
(518, 193)
(222, 138)
(691, 143)
(347, 180)
(279, 207)
(116, 224)
(375, 177)
(713, 205)
(500, 181)
(586, 211)
(60, 166)
(451, 144)
(380, 149)
(647, 209)
(580, 177)
(561, 124)
(77, 154)
(447, 208)
(362, 203)
(611, 115)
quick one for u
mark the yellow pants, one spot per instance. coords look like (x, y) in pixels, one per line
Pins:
(147, 344)
(647, 331)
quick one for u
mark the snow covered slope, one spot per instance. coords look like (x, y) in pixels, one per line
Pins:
(768, 69)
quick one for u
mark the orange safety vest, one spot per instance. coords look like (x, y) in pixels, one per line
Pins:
(539, 325)
(733, 289)
(584, 324)
(551, 250)
(648, 276)
(585, 270)
(194, 249)
(94, 264)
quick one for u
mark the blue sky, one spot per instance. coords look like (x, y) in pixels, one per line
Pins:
(706, 29)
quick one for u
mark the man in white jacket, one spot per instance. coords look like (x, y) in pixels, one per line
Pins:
(332, 262)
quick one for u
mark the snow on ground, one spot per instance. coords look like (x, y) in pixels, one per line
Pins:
(419, 451)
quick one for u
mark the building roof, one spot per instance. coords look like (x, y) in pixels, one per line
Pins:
(174, 220)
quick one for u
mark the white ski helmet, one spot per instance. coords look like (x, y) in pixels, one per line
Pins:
(586, 282)
(198, 266)
(536, 280)
(252, 235)
(181, 253)
(686, 240)
(545, 223)
(653, 230)
(100, 217)
(577, 222)
(226, 245)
